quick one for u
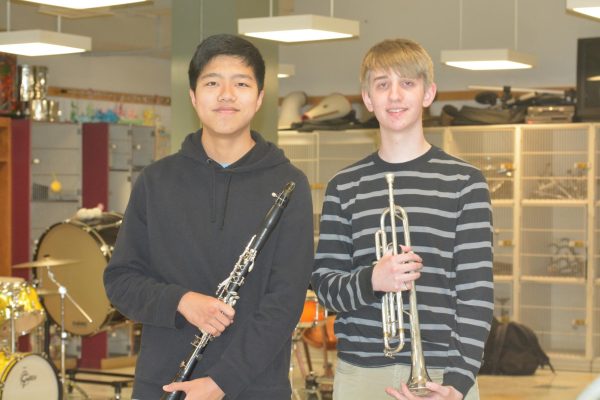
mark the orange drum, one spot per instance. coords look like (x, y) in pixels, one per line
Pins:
(313, 312)
(321, 335)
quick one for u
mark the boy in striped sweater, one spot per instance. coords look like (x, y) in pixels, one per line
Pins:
(450, 262)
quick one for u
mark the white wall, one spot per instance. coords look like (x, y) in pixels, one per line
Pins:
(544, 29)
(136, 75)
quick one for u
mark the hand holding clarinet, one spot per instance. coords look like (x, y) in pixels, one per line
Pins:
(210, 322)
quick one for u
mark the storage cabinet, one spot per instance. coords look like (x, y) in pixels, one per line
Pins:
(544, 183)
(113, 157)
(55, 157)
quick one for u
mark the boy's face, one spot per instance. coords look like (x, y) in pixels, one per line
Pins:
(396, 101)
(226, 96)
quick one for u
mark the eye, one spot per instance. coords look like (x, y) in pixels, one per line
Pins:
(243, 84)
(408, 83)
(210, 83)
(382, 84)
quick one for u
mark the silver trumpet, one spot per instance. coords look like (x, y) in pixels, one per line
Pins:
(392, 304)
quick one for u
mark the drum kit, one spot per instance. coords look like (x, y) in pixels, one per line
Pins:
(315, 329)
(67, 275)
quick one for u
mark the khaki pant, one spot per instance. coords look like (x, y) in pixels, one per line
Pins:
(358, 383)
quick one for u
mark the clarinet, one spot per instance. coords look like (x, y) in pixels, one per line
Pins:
(227, 290)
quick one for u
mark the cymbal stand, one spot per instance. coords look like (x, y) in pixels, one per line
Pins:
(310, 391)
(62, 291)
(13, 328)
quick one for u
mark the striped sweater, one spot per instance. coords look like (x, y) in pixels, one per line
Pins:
(448, 206)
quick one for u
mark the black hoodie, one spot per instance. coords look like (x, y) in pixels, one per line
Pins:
(187, 221)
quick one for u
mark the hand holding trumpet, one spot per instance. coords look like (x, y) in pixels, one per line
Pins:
(394, 273)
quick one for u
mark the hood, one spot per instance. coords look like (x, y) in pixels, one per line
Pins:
(262, 155)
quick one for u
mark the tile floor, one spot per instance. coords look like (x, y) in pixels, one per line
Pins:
(544, 385)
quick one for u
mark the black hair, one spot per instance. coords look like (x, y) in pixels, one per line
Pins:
(229, 45)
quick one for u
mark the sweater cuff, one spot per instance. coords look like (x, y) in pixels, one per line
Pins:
(365, 284)
(459, 382)
(170, 301)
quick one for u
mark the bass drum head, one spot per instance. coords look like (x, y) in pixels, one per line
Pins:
(83, 280)
(28, 376)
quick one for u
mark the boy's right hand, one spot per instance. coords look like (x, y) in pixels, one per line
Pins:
(394, 273)
(208, 313)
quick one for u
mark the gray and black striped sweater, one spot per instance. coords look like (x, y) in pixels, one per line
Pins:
(450, 217)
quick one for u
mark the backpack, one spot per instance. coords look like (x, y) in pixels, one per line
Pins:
(512, 349)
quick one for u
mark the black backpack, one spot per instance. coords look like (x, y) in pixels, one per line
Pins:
(512, 349)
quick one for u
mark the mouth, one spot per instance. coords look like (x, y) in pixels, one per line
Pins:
(396, 110)
(226, 110)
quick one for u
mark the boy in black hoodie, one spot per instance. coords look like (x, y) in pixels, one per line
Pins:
(189, 218)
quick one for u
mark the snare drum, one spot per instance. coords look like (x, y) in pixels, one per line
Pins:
(313, 312)
(27, 376)
(91, 242)
(28, 312)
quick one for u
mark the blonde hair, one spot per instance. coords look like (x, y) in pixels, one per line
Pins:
(405, 57)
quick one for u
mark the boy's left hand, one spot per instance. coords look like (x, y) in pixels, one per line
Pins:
(438, 392)
(197, 389)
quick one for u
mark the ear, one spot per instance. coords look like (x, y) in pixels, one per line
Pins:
(193, 97)
(261, 94)
(367, 100)
(429, 95)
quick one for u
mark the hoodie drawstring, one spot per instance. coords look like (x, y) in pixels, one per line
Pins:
(213, 195)
(228, 185)
(213, 192)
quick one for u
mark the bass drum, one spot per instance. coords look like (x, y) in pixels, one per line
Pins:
(91, 243)
(27, 376)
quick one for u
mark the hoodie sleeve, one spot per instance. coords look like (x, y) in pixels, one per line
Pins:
(270, 328)
(130, 284)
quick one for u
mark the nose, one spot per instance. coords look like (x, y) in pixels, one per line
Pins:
(395, 92)
(226, 94)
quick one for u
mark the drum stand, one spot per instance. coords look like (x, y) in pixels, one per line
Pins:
(62, 291)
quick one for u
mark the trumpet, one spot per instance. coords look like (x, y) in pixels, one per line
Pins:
(392, 307)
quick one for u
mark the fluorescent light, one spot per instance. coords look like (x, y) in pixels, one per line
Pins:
(595, 78)
(83, 4)
(298, 28)
(487, 59)
(286, 70)
(588, 7)
(42, 43)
